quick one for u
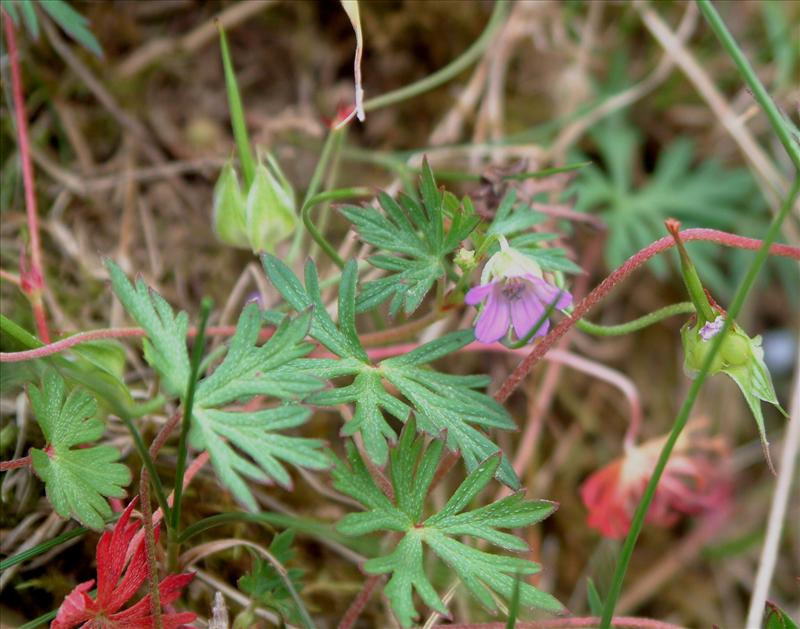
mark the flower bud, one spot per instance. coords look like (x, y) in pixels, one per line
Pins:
(741, 358)
(270, 210)
(465, 259)
(262, 218)
(228, 205)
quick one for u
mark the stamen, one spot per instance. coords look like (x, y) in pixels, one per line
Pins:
(513, 288)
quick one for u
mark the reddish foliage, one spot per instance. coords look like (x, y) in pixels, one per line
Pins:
(115, 550)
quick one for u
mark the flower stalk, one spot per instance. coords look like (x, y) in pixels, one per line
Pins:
(683, 415)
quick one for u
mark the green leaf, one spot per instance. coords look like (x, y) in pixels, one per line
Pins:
(165, 345)
(11, 8)
(96, 367)
(704, 194)
(31, 21)
(342, 341)
(238, 124)
(449, 404)
(73, 23)
(412, 469)
(265, 585)
(77, 481)
(415, 235)
(249, 370)
(514, 220)
(742, 359)
(442, 403)
(593, 597)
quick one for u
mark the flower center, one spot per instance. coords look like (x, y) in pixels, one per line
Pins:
(513, 288)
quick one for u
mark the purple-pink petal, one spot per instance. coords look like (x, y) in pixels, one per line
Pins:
(477, 294)
(493, 320)
(525, 312)
(547, 293)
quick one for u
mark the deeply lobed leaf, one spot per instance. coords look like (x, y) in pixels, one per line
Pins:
(415, 235)
(413, 467)
(165, 345)
(77, 481)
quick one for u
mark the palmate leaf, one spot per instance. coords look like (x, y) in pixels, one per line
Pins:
(77, 479)
(249, 370)
(412, 469)
(240, 443)
(165, 345)
(417, 238)
(443, 404)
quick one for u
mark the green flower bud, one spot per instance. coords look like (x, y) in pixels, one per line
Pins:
(465, 259)
(263, 218)
(741, 358)
(228, 208)
(270, 214)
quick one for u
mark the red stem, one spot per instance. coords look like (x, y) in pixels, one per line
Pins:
(107, 333)
(32, 279)
(16, 463)
(591, 300)
(631, 264)
(359, 603)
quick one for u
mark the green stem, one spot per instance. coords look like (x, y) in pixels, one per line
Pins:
(330, 182)
(302, 525)
(331, 142)
(332, 195)
(451, 70)
(539, 323)
(685, 307)
(237, 113)
(186, 420)
(756, 87)
(147, 460)
(683, 414)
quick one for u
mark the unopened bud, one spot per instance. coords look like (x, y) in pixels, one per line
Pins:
(229, 223)
(260, 219)
(465, 259)
(270, 210)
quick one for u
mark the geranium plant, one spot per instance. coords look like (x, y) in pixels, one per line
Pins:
(359, 373)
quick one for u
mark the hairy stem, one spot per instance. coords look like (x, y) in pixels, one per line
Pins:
(150, 547)
(631, 264)
(25, 461)
(709, 235)
(682, 418)
(619, 622)
(359, 602)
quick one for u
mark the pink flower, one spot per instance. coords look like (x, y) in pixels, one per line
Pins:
(114, 589)
(515, 293)
(693, 482)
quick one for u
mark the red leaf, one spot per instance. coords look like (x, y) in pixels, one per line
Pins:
(121, 571)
